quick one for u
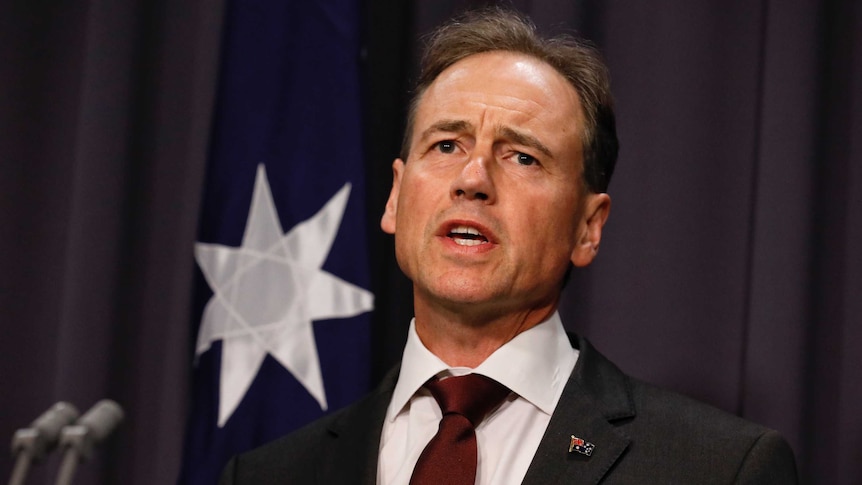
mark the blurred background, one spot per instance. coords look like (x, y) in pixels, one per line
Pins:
(730, 269)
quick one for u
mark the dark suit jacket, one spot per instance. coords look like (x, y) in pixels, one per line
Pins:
(642, 435)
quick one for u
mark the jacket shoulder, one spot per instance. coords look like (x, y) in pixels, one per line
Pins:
(681, 440)
(699, 438)
(342, 444)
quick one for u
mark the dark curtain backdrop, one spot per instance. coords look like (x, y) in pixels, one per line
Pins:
(104, 122)
(730, 269)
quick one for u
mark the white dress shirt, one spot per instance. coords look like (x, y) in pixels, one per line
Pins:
(535, 365)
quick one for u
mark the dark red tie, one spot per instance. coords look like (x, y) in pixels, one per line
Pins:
(450, 457)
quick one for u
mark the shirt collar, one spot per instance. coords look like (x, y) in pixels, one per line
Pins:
(418, 365)
(535, 365)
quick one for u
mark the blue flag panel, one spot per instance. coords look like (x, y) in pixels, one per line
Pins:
(281, 293)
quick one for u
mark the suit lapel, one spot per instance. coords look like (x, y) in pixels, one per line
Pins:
(596, 395)
(352, 454)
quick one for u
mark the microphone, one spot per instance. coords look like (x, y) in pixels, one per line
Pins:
(31, 444)
(79, 439)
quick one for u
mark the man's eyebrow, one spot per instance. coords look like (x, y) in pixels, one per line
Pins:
(524, 139)
(456, 126)
(447, 126)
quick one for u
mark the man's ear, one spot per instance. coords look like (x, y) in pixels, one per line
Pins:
(387, 222)
(597, 207)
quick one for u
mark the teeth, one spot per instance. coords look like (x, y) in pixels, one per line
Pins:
(467, 236)
(466, 230)
(468, 242)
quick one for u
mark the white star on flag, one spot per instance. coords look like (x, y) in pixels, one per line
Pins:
(267, 292)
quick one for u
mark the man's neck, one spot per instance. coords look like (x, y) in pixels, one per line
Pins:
(465, 341)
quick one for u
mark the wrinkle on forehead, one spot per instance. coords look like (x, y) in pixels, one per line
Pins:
(537, 86)
(528, 107)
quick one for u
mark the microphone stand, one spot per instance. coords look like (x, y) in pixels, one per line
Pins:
(79, 447)
(19, 473)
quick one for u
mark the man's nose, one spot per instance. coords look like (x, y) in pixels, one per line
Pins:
(475, 180)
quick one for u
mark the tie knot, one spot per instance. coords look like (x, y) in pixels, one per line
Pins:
(472, 395)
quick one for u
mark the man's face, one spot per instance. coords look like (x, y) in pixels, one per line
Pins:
(490, 207)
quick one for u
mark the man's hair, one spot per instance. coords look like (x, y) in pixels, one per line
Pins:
(498, 29)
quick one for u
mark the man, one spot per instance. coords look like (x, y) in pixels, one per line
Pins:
(501, 188)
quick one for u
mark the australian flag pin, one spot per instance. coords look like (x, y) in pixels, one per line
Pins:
(581, 446)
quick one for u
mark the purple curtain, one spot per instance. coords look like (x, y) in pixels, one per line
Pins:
(103, 126)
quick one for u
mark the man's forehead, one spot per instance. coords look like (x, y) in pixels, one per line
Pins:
(518, 96)
(511, 80)
(485, 64)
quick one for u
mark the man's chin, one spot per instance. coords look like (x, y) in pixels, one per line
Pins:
(456, 289)
(460, 298)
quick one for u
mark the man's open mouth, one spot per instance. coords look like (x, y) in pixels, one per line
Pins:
(467, 236)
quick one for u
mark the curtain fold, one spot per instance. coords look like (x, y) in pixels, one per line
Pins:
(104, 132)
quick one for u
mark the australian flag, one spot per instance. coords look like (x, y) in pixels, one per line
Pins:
(283, 333)
(581, 446)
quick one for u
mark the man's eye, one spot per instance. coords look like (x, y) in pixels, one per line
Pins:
(446, 146)
(525, 159)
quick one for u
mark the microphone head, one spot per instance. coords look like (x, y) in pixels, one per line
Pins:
(49, 424)
(44, 432)
(101, 419)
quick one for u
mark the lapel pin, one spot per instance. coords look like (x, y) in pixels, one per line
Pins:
(581, 446)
